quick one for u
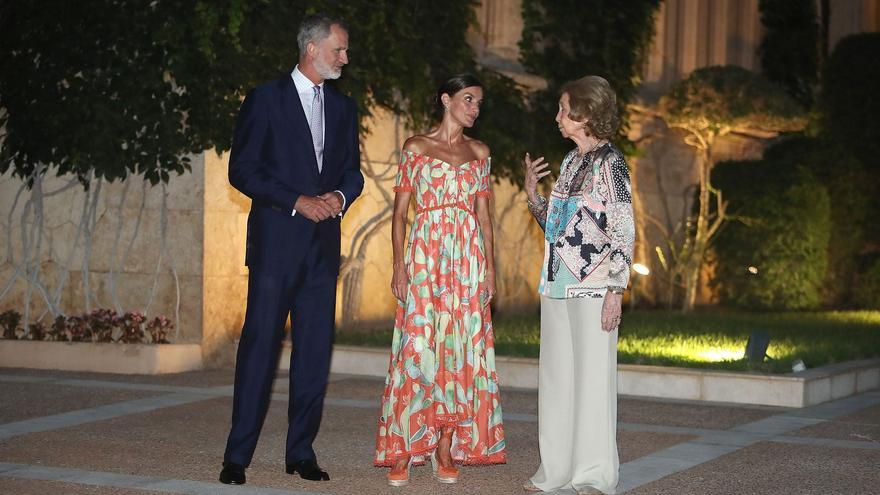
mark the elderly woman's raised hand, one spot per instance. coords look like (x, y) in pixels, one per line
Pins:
(535, 171)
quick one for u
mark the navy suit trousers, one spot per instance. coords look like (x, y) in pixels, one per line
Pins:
(308, 295)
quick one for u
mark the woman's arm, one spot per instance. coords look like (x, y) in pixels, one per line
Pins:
(621, 231)
(399, 278)
(621, 225)
(403, 190)
(484, 217)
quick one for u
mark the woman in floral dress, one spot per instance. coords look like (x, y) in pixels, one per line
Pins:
(441, 395)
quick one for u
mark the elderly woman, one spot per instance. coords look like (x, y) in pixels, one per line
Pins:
(588, 242)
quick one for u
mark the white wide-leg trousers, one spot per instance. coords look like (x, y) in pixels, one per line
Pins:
(577, 397)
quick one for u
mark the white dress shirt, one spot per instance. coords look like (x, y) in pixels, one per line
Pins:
(305, 89)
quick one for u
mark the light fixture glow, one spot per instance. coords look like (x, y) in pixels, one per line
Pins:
(641, 269)
(720, 354)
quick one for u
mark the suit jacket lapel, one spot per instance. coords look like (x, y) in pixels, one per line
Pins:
(292, 109)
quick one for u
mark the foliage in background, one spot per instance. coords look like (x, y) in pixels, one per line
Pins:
(848, 100)
(108, 88)
(710, 103)
(505, 124)
(781, 232)
(849, 106)
(868, 293)
(789, 49)
(563, 40)
(715, 101)
(100, 325)
(849, 189)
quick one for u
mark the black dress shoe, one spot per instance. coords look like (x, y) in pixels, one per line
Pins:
(232, 474)
(308, 469)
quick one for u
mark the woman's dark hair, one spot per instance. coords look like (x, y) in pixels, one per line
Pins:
(455, 84)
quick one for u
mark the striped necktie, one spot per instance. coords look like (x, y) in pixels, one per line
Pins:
(316, 124)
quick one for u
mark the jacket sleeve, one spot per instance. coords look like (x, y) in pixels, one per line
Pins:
(352, 182)
(248, 171)
(621, 225)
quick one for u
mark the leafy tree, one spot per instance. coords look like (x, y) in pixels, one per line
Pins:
(563, 40)
(107, 88)
(713, 102)
(789, 50)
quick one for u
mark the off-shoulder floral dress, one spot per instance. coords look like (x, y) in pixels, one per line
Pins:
(442, 368)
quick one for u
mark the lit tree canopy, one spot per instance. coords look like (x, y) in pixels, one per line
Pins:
(717, 100)
(712, 102)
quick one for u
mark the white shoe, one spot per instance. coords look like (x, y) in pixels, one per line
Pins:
(530, 487)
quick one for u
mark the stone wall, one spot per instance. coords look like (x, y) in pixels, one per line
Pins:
(125, 249)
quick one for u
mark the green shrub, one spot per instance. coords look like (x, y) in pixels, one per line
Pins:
(849, 189)
(780, 231)
(867, 294)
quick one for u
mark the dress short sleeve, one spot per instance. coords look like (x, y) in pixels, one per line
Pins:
(405, 168)
(485, 176)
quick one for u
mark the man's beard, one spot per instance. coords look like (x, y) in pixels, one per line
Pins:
(326, 70)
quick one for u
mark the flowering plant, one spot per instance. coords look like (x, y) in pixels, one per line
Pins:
(101, 325)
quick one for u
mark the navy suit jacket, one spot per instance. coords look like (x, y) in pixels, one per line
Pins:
(273, 163)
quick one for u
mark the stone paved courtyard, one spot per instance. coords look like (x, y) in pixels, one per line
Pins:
(81, 433)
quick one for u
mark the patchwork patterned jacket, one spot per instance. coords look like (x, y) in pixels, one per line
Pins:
(588, 226)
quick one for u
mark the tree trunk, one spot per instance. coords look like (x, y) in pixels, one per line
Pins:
(694, 261)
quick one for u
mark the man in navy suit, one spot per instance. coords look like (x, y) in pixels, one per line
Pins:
(295, 154)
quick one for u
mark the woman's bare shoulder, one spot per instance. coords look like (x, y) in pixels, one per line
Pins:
(479, 148)
(417, 144)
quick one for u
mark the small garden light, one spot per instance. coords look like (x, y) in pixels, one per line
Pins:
(641, 269)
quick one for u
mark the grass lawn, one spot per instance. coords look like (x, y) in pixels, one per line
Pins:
(713, 339)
